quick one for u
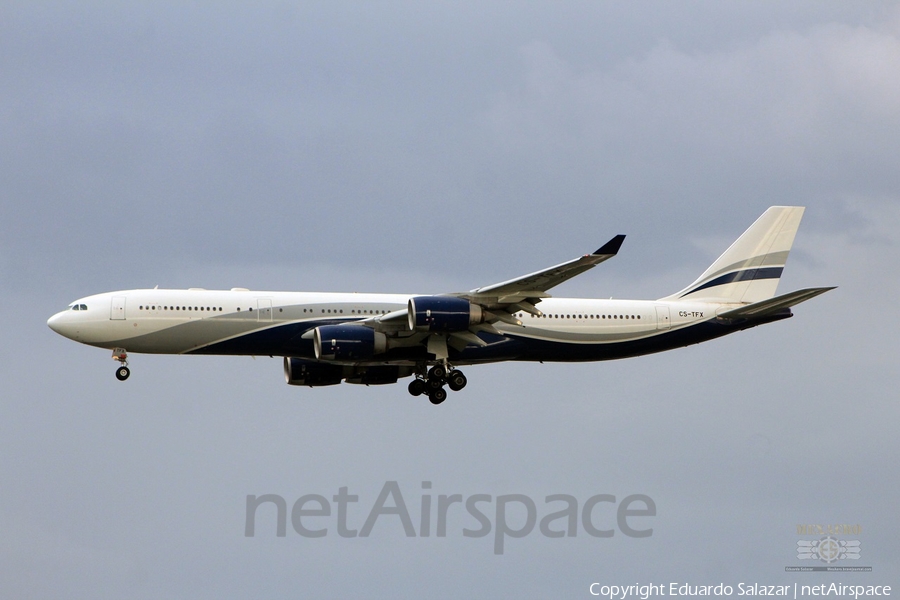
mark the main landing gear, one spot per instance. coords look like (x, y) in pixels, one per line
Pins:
(123, 371)
(432, 383)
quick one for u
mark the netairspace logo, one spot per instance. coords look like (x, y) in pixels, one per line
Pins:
(312, 515)
(646, 591)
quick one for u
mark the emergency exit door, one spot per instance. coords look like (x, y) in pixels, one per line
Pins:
(264, 309)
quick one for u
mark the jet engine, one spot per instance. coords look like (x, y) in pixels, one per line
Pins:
(299, 371)
(378, 375)
(348, 342)
(304, 372)
(443, 313)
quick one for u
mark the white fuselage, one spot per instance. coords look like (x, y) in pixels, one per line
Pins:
(184, 321)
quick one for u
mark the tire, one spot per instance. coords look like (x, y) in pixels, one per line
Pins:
(456, 381)
(416, 387)
(438, 396)
(122, 373)
(437, 372)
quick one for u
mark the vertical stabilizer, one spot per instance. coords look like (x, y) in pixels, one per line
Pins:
(750, 269)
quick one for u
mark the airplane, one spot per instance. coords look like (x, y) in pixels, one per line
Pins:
(327, 338)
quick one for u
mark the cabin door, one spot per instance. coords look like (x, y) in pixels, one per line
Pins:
(662, 317)
(117, 308)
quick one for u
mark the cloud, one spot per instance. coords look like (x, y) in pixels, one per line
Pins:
(818, 109)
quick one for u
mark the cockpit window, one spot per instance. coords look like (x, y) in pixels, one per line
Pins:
(78, 307)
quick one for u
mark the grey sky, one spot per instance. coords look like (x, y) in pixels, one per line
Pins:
(402, 147)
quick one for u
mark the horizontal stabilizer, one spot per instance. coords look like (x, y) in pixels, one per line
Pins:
(765, 307)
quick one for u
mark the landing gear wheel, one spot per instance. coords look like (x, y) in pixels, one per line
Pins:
(456, 380)
(433, 384)
(437, 372)
(437, 396)
(120, 355)
(416, 387)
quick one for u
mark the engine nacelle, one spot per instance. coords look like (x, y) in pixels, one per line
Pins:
(348, 342)
(443, 313)
(304, 372)
(377, 375)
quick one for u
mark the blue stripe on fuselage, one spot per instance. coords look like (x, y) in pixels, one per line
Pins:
(287, 340)
(282, 340)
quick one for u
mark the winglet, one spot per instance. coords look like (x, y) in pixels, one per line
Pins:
(611, 247)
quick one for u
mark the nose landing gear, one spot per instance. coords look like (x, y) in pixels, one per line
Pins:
(432, 383)
(123, 371)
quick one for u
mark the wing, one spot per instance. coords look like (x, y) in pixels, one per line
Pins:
(495, 302)
(522, 293)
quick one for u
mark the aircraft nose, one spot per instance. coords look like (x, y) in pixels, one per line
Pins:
(53, 322)
(59, 324)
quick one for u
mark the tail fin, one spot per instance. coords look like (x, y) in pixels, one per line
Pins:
(751, 267)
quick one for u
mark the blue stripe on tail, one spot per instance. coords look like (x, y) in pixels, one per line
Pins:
(737, 276)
